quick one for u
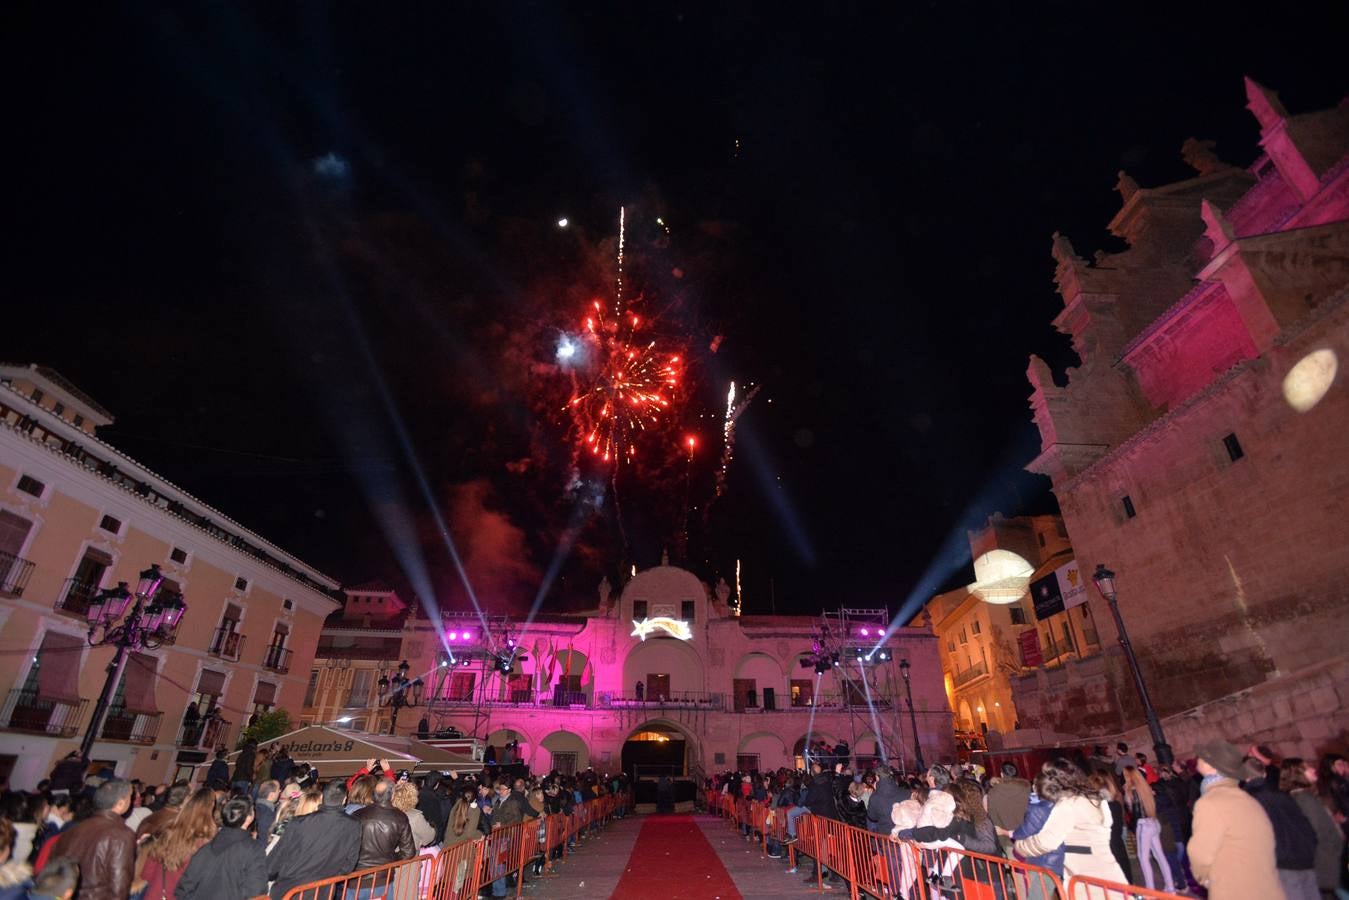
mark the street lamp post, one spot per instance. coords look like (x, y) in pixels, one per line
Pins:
(1105, 583)
(913, 717)
(153, 619)
(396, 693)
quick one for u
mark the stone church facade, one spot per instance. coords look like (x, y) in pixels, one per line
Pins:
(1201, 448)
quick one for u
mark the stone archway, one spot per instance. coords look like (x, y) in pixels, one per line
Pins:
(644, 752)
(767, 749)
(799, 748)
(505, 733)
(564, 751)
(674, 662)
(966, 716)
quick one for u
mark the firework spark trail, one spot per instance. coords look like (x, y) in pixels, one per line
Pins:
(733, 412)
(634, 382)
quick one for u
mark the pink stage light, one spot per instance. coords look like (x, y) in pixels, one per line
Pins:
(866, 631)
(453, 635)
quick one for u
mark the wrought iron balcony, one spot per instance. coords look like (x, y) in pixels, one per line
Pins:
(131, 728)
(971, 673)
(675, 700)
(26, 711)
(75, 597)
(206, 733)
(277, 659)
(14, 574)
(226, 643)
(521, 697)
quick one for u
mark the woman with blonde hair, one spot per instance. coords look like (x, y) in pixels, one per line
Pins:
(405, 800)
(1142, 805)
(167, 854)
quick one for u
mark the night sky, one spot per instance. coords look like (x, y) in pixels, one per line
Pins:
(308, 256)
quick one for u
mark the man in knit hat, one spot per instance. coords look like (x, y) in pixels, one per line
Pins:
(1232, 848)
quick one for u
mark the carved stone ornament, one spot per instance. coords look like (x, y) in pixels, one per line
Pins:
(1126, 186)
(1199, 156)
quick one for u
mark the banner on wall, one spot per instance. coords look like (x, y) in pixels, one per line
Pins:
(1061, 589)
(1031, 657)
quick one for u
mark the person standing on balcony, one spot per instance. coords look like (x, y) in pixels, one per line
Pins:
(192, 726)
(641, 691)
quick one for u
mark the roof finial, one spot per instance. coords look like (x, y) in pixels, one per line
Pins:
(1264, 103)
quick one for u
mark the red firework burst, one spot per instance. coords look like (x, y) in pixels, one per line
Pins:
(632, 384)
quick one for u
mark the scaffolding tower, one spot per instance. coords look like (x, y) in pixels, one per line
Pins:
(852, 637)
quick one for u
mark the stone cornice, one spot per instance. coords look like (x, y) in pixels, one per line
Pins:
(161, 486)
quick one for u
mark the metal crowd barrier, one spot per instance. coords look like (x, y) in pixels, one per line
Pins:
(462, 871)
(1080, 887)
(396, 881)
(876, 865)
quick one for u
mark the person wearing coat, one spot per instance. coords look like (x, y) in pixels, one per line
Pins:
(245, 765)
(102, 845)
(1231, 847)
(1294, 839)
(1079, 823)
(232, 866)
(883, 800)
(1037, 812)
(1297, 778)
(323, 844)
(386, 834)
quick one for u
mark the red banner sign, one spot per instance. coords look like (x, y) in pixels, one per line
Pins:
(1031, 657)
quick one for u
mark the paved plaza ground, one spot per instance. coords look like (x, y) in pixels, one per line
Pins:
(723, 866)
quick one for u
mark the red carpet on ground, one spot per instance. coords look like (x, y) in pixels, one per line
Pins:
(672, 859)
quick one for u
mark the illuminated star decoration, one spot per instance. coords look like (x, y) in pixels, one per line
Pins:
(630, 383)
(672, 627)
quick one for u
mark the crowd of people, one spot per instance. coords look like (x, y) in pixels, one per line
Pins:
(262, 827)
(1227, 824)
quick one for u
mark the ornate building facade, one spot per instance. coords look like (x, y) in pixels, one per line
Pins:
(77, 516)
(1198, 450)
(716, 691)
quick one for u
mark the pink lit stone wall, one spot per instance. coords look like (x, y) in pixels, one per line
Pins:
(1232, 575)
(723, 648)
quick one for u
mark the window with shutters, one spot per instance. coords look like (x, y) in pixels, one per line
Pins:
(86, 582)
(264, 697)
(361, 682)
(747, 762)
(227, 642)
(110, 524)
(313, 686)
(202, 722)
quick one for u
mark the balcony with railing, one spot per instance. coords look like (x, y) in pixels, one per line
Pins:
(516, 698)
(131, 728)
(204, 733)
(75, 597)
(673, 700)
(277, 659)
(14, 574)
(226, 643)
(975, 671)
(24, 710)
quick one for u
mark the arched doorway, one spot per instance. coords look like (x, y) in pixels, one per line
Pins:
(799, 748)
(497, 741)
(566, 753)
(762, 751)
(659, 748)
